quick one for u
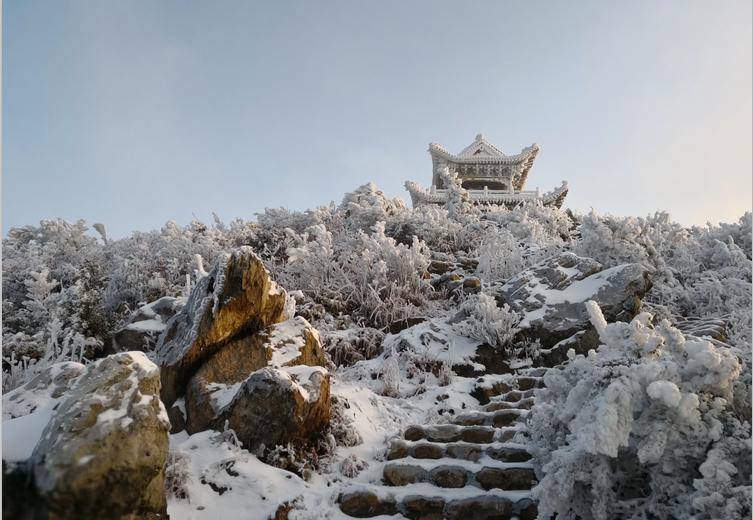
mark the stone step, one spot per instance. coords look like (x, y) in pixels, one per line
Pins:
(400, 449)
(366, 503)
(446, 433)
(534, 372)
(513, 396)
(496, 419)
(488, 386)
(457, 476)
(529, 382)
(521, 404)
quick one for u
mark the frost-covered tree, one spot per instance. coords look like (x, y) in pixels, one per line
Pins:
(642, 428)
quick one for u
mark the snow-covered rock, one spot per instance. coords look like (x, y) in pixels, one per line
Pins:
(44, 391)
(278, 406)
(550, 295)
(236, 297)
(105, 445)
(145, 325)
(289, 343)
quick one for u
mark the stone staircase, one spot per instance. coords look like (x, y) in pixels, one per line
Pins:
(475, 467)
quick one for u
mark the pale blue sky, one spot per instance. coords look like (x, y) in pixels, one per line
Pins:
(133, 113)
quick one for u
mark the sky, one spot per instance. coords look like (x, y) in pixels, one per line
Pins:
(133, 113)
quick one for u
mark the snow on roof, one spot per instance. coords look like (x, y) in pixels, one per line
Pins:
(481, 147)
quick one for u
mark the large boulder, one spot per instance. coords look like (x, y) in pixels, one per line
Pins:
(26, 412)
(103, 453)
(279, 406)
(145, 325)
(550, 296)
(289, 343)
(236, 299)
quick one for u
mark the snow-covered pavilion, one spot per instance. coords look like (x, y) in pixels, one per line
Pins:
(489, 176)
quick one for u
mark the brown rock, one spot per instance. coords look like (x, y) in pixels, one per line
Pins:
(422, 508)
(464, 451)
(144, 326)
(527, 509)
(506, 478)
(470, 419)
(398, 449)
(275, 407)
(449, 476)
(504, 418)
(509, 454)
(478, 508)
(103, 453)
(484, 390)
(403, 474)
(478, 434)
(414, 433)
(177, 419)
(529, 383)
(237, 298)
(440, 267)
(292, 342)
(365, 504)
(443, 433)
(427, 451)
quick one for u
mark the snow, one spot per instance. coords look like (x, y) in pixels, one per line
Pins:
(21, 435)
(665, 391)
(436, 341)
(222, 394)
(250, 486)
(648, 405)
(152, 325)
(287, 339)
(578, 291)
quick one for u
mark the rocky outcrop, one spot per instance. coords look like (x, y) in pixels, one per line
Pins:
(145, 325)
(103, 453)
(235, 300)
(550, 296)
(292, 342)
(275, 406)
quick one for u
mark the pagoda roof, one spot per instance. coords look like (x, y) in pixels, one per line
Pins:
(480, 147)
(482, 151)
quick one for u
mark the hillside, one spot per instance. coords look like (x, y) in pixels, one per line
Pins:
(366, 358)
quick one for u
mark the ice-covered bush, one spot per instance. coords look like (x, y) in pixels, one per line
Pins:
(499, 257)
(431, 224)
(370, 276)
(390, 375)
(642, 428)
(367, 205)
(534, 223)
(485, 321)
(346, 347)
(53, 280)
